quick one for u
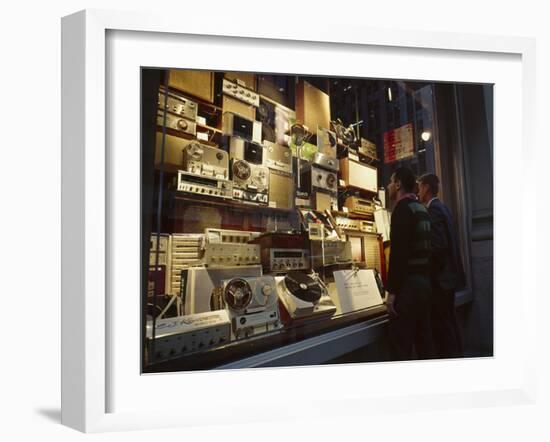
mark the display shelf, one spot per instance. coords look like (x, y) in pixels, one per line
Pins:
(185, 136)
(347, 188)
(353, 215)
(213, 129)
(279, 348)
(185, 197)
(314, 343)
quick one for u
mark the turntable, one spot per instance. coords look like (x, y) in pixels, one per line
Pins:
(304, 295)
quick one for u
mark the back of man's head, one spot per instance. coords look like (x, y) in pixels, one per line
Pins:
(406, 177)
(432, 181)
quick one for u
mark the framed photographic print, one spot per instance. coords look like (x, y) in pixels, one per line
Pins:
(219, 197)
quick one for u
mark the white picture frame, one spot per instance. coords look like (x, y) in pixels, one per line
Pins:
(90, 180)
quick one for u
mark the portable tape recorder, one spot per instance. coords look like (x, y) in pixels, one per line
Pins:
(204, 160)
(201, 286)
(277, 157)
(250, 181)
(251, 304)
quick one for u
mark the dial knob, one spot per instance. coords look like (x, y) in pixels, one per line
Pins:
(182, 124)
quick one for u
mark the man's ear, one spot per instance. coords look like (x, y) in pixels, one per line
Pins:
(397, 184)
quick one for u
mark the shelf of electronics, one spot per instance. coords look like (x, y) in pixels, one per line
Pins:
(235, 284)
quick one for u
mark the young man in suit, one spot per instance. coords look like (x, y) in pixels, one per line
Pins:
(408, 283)
(445, 270)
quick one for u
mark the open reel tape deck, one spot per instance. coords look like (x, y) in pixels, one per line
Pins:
(250, 181)
(204, 160)
(252, 305)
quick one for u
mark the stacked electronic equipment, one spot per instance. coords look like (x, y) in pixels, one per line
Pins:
(236, 140)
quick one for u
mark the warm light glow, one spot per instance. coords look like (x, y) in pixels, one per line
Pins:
(426, 136)
(389, 94)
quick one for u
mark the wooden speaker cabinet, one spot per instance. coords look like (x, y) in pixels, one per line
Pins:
(359, 175)
(281, 190)
(247, 111)
(199, 84)
(312, 106)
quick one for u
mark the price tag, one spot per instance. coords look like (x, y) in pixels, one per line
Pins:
(201, 120)
(202, 136)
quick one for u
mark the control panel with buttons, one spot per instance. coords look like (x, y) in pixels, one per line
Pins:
(224, 255)
(241, 93)
(179, 336)
(283, 260)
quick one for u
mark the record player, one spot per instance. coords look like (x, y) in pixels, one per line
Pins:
(304, 295)
(251, 304)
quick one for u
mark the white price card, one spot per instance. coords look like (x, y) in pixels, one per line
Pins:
(355, 290)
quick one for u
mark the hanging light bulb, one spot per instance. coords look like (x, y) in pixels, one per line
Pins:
(426, 135)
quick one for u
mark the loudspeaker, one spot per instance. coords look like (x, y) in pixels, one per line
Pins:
(173, 149)
(359, 175)
(279, 88)
(312, 106)
(281, 190)
(322, 201)
(247, 111)
(199, 84)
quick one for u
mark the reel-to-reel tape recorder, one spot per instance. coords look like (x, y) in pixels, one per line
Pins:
(200, 159)
(250, 181)
(251, 304)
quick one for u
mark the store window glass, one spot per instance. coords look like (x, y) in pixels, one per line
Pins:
(265, 219)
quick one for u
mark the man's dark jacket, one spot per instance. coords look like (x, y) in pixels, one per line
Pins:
(446, 266)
